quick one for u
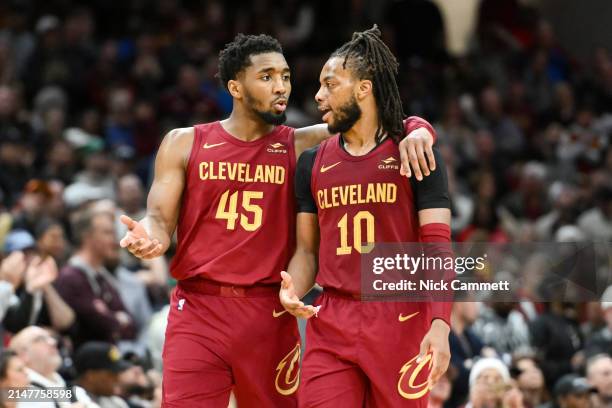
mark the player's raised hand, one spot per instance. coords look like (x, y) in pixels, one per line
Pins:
(436, 342)
(138, 242)
(416, 150)
(291, 302)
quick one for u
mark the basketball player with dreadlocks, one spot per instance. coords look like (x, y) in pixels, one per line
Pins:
(363, 353)
(228, 185)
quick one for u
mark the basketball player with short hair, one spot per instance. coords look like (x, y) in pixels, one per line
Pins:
(227, 187)
(360, 353)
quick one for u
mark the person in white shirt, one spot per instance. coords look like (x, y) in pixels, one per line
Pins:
(38, 350)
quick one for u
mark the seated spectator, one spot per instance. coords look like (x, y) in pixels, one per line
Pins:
(38, 351)
(12, 269)
(93, 183)
(503, 327)
(98, 366)
(489, 380)
(556, 339)
(601, 341)
(135, 385)
(89, 288)
(572, 391)
(12, 375)
(50, 239)
(38, 301)
(530, 380)
(599, 375)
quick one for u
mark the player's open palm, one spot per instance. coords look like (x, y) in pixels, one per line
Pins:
(436, 343)
(291, 302)
(138, 242)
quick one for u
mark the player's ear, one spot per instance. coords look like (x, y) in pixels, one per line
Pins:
(364, 89)
(235, 89)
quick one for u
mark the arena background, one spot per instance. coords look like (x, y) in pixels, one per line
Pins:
(520, 93)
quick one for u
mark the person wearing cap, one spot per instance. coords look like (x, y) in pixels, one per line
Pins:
(599, 375)
(98, 365)
(572, 391)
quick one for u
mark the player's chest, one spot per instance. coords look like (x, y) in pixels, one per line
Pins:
(267, 166)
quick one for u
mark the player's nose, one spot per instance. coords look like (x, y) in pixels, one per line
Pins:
(319, 95)
(279, 87)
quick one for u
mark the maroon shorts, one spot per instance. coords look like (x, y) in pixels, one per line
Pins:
(221, 339)
(363, 354)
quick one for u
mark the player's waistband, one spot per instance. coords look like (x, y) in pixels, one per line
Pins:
(208, 287)
(341, 294)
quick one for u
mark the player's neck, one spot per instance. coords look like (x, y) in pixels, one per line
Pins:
(360, 139)
(246, 126)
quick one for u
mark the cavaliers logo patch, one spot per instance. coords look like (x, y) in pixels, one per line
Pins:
(408, 376)
(288, 372)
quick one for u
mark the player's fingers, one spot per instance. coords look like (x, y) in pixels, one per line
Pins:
(405, 167)
(414, 163)
(130, 223)
(153, 253)
(430, 156)
(125, 241)
(423, 349)
(149, 246)
(421, 157)
(286, 279)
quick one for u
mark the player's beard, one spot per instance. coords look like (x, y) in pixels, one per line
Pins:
(268, 117)
(346, 117)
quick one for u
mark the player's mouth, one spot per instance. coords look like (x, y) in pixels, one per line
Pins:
(327, 112)
(280, 105)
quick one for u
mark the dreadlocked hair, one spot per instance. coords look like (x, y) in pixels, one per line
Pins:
(370, 58)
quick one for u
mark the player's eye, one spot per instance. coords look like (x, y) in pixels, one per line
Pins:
(286, 77)
(266, 77)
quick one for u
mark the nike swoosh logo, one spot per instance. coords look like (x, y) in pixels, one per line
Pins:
(207, 146)
(324, 169)
(276, 314)
(402, 318)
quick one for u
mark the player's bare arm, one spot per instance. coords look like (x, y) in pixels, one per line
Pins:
(151, 236)
(300, 275)
(416, 149)
(436, 339)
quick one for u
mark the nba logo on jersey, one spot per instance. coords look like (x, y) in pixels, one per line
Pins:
(181, 303)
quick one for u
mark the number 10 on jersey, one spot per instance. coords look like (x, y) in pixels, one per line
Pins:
(358, 238)
(231, 214)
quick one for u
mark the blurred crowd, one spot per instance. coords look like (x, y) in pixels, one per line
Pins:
(87, 90)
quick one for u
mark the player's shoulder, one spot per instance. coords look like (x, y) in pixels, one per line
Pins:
(180, 136)
(285, 132)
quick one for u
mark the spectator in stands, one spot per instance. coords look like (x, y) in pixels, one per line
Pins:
(530, 380)
(37, 348)
(599, 375)
(556, 339)
(87, 285)
(12, 375)
(38, 301)
(489, 380)
(98, 367)
(572, 391)
(601, 341)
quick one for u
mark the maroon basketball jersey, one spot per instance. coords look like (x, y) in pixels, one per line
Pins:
(360, 200)
(237, 219)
